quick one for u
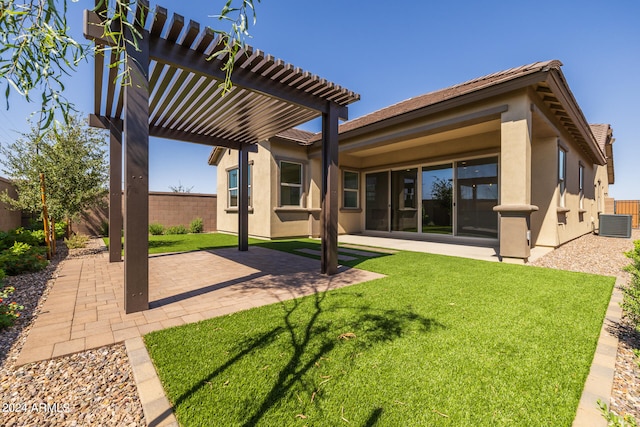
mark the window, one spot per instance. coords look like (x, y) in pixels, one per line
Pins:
(290, 183)
(351, 189)
(232, 190)
(581, 184)
(562, 174)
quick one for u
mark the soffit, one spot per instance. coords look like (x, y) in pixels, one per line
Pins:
(440, 137)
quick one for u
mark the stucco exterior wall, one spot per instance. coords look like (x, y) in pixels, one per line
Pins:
(259, 216)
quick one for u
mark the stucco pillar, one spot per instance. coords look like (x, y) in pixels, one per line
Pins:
(515, 181)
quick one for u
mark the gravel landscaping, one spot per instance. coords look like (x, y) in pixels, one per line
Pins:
(96, 387)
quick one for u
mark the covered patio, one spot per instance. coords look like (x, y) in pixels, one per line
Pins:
(174, 91)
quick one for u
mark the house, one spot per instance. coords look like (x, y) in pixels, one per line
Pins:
(506, 159)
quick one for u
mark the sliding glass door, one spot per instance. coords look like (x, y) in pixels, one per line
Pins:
(477, 194)
(437, 199)
(377, 201)
(452, 198)
(404, 207)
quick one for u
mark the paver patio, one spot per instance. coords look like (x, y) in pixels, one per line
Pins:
(85, 307)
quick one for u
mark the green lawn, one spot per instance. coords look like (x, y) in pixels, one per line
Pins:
(439, 341)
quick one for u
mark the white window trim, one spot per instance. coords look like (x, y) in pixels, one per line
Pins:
(236, 168)
(581, 171)
(281, 184)
(350, 190)
(562, 180)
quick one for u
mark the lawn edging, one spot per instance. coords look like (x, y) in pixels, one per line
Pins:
(600, 379)
(155, 405)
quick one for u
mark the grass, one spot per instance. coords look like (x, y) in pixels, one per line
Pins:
(439, 341)
(188, 242)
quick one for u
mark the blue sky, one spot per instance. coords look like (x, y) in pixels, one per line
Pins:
(390, 52)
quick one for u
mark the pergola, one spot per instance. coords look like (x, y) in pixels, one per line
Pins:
(174, 92)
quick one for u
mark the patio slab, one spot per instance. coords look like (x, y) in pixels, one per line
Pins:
(85, 307)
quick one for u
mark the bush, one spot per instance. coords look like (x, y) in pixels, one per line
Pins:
(9, 311)
(196, 226)
(22, 257)
(21, 235)
(631, 301)
(176, 229)
(104, 228)
(76, 241)
(156, 229)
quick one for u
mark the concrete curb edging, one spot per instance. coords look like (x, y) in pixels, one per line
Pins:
(155, 405)
(600, 380)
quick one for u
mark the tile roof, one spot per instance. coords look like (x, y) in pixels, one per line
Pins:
(432, 98)
(600, 132)
(300, 136)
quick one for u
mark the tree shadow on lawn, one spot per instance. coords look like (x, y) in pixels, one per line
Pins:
(373, 325)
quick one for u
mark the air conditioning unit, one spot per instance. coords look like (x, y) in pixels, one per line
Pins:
(615, 226)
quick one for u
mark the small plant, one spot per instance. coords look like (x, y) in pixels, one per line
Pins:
(615, 420)
(156, 229)
(104, 228)
(9, 311)
(176, 229)
(76, 241)
(631, 301)
(196, 226)
(22, 257)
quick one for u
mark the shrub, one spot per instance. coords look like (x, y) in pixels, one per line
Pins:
(9, 311)
(156, 229)
(22, 257)
(176, 229)
(104, 228)
(196, 226)
(76, 241)
(631, 301)
(31, 238)
(61, 229)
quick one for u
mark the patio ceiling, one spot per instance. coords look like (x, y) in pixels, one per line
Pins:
(185, 74)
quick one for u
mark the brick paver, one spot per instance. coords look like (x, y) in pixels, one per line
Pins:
(85, 307)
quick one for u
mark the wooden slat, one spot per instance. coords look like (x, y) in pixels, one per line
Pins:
(160, 16)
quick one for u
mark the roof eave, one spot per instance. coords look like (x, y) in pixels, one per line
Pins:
(557, 84)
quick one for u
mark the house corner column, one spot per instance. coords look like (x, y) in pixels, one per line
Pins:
(515, 182)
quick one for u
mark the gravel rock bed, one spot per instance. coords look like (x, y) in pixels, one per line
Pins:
(605, 255)
(94, 387)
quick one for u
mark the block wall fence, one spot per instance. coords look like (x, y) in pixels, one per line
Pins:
(168, 209)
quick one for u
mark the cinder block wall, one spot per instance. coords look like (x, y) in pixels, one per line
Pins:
(168, 209)
(171, 209)
(609, 205)
(8, 219)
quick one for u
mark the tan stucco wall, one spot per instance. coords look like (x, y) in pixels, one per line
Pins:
(525, 137)
(259, 215)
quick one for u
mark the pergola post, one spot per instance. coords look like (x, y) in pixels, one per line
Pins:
(243, 198)
(136, 141)
(115, 192)
(329, 257)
